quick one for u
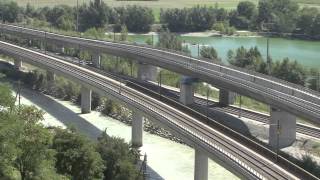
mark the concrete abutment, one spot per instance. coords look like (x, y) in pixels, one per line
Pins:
(282, 129)
(96, 59)
(186, 90)
(147, 72)
(137, 129)
(85, 100)
(226, 97)
(200, 165)
(18, 64)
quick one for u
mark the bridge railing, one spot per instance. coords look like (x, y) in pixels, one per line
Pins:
(249, 142)
(300, 172)
(252, 76)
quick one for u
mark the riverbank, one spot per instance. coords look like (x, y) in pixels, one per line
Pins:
(211, 33)
(304, 52)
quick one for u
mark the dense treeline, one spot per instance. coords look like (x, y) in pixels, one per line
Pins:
(35, 152)
(285, 69)
(278, 16)
(186, 20)
(96, 14)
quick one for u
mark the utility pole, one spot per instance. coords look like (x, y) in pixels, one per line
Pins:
(152, 39)
(240, 106)
(207, 113)
(268, 58)
(269, 61)
(318, 81)
(131, 64)
(19, 96)
(77, 28)
(160, 84)
(45, 42)
(278, 134)
(145, 174)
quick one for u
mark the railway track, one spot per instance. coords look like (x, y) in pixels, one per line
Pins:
(218, 139)
(256, 116)
(279, 94)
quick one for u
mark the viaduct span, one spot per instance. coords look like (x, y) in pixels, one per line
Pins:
(233, 154)
(286, 100)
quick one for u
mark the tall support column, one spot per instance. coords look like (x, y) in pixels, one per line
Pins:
(59, 49)
(147, 72)
(85, 100)
(226, 97)
(186, 90)
(50, 78)
(137, 129)
(200, 165)
(282, 131)
(17, 64)
(96, 59)
(29, 42)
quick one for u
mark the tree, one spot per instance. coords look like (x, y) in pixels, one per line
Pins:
(123, 33)
(6, 98)
(9, 11)
(118, 157)
(76, 156)
(209, 53)
(169, 41)
(25, 143)
(191, 19)
(306, 20)
(316, 27)
(30, 11)
(290, 71)
(246, 9)
(138, 19)
(314, 81)
(95, 15)
(281, 13)
(250, 59)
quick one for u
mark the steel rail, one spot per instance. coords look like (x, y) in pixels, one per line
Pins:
(114, 86)
(306, 102)
(94, 79)
(256, 116)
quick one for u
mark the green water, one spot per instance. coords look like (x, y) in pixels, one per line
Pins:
(306, 53)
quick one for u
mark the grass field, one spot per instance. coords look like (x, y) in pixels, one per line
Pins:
(157, 5)
(229, 4)
(153, 4)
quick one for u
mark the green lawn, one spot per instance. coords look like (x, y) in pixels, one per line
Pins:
(153, 4)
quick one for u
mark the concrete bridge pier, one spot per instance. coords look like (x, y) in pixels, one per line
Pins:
(137, 129)
(50, 78)
(282, 130)
(29, 42)
(96, 59)
(200, 165)
(17, 64)
(226, 97)
(59, 48)
(147, 72)
(186, 90)
(85, 100)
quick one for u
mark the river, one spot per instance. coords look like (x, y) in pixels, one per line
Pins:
(171, 160)
(305, 52)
